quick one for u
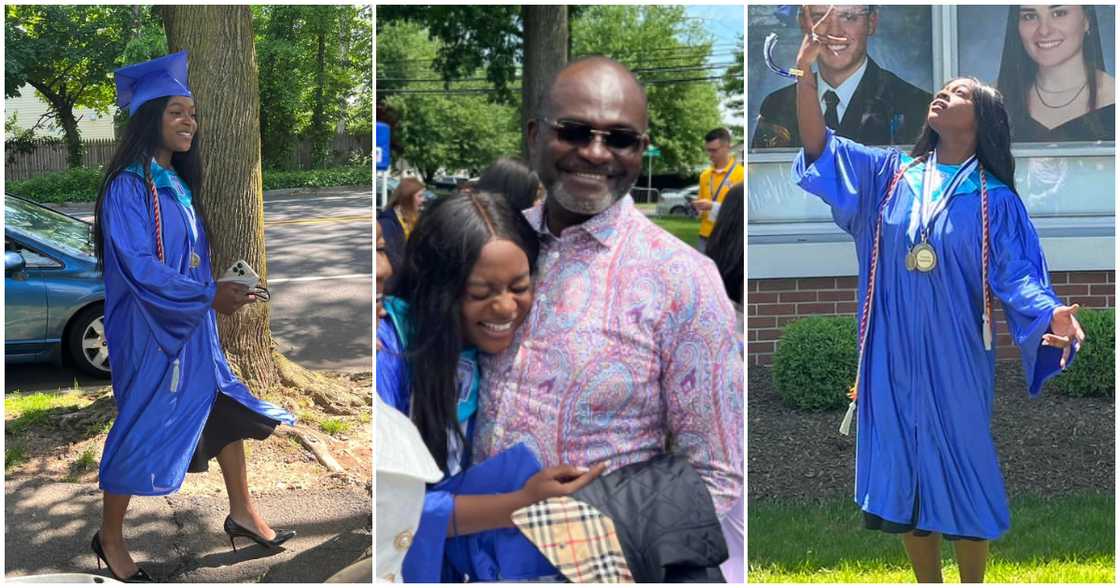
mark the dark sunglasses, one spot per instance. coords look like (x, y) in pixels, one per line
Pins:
(582, 134)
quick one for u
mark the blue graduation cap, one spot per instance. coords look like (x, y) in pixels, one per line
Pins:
(141, 82)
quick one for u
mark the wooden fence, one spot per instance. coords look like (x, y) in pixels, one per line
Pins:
(50, 156)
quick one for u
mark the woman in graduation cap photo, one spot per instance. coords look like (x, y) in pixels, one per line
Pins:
(179, 405)
(940, 234)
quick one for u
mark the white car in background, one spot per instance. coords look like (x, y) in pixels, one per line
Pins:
(678, 202)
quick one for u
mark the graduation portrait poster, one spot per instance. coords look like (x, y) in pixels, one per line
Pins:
(882, 76)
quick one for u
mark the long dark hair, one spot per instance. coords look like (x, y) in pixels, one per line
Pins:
(1017, 70)
(993, 134)
(438, 259)
(514, 179)
(142, 138)
(725, 245)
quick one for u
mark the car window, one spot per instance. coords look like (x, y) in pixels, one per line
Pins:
(31, 258)
(65, 232)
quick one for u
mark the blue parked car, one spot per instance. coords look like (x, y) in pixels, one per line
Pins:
(54, 299)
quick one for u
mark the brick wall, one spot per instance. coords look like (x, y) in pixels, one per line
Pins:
(773, 303)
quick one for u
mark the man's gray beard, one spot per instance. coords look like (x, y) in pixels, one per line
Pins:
(584, 206)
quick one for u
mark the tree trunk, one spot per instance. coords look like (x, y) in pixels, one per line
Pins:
(318, 114)
(71, 135)
(223, 79)
(545, 38)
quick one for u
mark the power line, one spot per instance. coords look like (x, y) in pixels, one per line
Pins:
(679, 50)
(467, 91)
(639, 71)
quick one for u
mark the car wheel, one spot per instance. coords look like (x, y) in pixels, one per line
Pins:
(86, 341)
(678, 211)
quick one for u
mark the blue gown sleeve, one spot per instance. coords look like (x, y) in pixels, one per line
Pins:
(172, 305)
(424, 560)
(1019, 278)
(849, 177)
(392, 369)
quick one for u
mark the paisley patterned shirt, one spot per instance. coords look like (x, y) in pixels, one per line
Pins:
(630, 348)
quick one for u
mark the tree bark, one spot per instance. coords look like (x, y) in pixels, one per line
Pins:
(224, 81)
(545, 37)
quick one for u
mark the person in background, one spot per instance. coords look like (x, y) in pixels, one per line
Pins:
(515, 180)
(715, 181)
(398, 218)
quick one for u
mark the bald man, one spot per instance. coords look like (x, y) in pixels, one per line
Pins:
(631, 345)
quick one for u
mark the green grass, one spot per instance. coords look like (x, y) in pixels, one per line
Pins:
(14, 455)
(1060, 540)
(333, 426)
(22, 411)
(86, 462)
(685, 229)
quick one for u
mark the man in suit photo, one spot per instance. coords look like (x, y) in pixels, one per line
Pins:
(859, 99)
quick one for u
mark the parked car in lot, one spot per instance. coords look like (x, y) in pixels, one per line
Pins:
(678, 203)
(54, 299)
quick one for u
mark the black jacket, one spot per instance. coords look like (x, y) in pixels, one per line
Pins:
(884, 110)
(664, 518)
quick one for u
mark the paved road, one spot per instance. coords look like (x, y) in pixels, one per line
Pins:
(320, 258)
(177, 538)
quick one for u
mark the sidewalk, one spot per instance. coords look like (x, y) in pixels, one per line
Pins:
(48, 527)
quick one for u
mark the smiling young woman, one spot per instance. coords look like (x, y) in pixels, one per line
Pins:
(179, 404)
(940, 233)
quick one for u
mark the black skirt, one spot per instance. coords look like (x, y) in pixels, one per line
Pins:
(877, 523)
(229, 421)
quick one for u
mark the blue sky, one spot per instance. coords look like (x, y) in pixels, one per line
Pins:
(724, 22)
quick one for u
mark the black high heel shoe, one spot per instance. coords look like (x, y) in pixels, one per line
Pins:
(235, 530)
(139, 577)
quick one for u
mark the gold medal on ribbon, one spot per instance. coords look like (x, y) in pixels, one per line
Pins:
(195, 260)
(924, 257)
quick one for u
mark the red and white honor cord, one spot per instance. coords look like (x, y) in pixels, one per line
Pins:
(865, 318)
(845, 426)
(159, 222)
(987, 318)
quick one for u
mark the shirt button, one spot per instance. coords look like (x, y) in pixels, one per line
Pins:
(403, 540)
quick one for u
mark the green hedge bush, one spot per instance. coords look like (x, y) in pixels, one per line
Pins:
(73, 185)
(815, 363)
(81, 184)
(361, 175)
(1093, 373)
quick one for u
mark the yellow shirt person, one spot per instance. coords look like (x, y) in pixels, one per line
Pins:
(716, 180)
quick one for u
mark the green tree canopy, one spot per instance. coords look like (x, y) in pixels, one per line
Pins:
(315, 76)
(68, 54)
(669, 53)
(435, 130)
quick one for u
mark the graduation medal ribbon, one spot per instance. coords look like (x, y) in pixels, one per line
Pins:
(768, 55)
(853, 392)
(922, 256)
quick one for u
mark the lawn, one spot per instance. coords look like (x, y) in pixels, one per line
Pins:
(1060, 540)
(685, 229)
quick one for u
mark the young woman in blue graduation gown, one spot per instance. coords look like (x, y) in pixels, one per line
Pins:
(178, 402)
(464, 288)
(926, 464)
